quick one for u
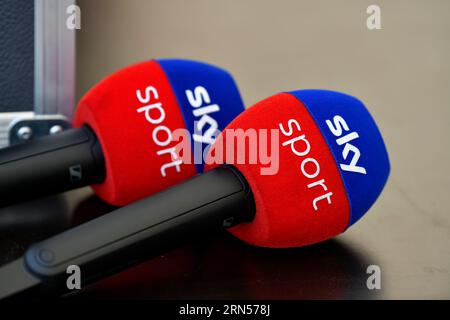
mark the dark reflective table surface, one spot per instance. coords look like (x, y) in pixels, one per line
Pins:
(216, 267)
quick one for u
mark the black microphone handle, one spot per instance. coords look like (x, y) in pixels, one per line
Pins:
(50, 164)
(206, 203)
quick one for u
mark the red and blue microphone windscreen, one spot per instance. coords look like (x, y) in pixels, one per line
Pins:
(355, 142)
(136, 112)
(327, 166)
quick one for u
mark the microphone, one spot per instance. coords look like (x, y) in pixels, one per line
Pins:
(123, 140)
(329, 149)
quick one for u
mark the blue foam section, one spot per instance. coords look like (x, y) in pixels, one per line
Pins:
(362, 189)
(222, 91)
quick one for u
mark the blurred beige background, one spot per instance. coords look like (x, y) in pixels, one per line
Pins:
(401, 72)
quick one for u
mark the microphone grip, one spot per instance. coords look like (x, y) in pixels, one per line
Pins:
(51, 164)
(204, 204)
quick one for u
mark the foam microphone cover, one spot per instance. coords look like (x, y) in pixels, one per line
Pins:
(332, 166)
(134, 113)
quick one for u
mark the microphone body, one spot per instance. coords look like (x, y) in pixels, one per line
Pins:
(204, 204)
(43, 166)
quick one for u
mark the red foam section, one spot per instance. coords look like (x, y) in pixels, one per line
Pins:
(133, 168)
(285, 216)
